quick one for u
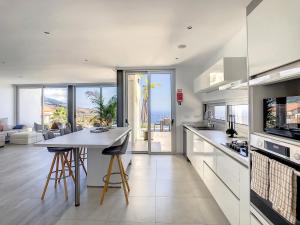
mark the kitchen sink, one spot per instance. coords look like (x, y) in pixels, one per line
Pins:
(203, 128)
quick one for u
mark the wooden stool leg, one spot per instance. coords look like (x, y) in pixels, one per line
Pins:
(56, 172)
(49, 176)
(71, 160)
(123, 179)
(83, 166)
(64, 175)
(108, 174)
(69, 166)
(126, 181)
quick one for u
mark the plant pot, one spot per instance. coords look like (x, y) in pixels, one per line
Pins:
(145, 135)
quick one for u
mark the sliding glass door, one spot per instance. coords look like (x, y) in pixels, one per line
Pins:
(161, 112)
(149, 110)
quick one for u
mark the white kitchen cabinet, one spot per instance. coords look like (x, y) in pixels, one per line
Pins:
(229, 171)
(197, 159)
(273, 35)
(254, 220)
(226, 70)
(210, 155)
(227, 201)
(226, 178)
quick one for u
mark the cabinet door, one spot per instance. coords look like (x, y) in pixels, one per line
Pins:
(273, 35)
(198, 154)
(227, 201)
(210, 155)
(254, 220)
(229, 171)
(189, 143)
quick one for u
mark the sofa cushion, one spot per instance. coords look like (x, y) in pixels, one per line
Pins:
(18, 127)
(4, 123)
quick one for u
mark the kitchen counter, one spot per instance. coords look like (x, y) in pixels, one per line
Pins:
(218, 139)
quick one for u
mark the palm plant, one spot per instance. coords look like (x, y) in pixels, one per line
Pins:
(59, 115)
(105, 114)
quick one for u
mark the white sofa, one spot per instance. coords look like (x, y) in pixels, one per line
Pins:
(25, 137)
(2, 140)
(8, 130)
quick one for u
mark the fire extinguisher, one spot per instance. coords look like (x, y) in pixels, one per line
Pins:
(179, 96)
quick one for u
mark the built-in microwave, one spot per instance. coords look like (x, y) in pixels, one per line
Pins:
(282, 116)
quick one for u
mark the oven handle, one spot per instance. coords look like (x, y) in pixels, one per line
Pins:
(296, 172)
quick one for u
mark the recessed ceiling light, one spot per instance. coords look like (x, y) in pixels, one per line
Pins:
(189, 27)
(3, 62)
(176, 58)
(20, 76)
(46, 32)
(181, 46)
(86, 60)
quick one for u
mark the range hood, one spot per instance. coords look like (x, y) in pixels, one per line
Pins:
(289, 72)
(229, 72)
(235, 85)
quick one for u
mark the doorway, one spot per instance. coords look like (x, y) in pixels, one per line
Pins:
(150, 111)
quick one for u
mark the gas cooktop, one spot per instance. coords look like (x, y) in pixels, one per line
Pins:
(239, 146)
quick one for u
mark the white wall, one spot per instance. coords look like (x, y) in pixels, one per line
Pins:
(191, 110)
(7, 103)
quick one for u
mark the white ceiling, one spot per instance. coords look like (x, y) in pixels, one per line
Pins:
(109, 34)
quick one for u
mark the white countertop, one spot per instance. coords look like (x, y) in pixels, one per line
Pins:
(85, 138)
(219, 138)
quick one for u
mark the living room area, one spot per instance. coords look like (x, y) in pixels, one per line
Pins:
(32, 110)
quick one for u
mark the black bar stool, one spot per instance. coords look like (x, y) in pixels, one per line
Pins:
(116, 151)
(60, 155)
(70, 155)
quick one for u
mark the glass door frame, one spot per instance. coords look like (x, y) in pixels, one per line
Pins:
(148, 72)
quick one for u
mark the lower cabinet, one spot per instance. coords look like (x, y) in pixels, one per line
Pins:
(254, 220)
(227, 201)
(227, 179)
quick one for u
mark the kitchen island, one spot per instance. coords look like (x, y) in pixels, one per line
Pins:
(97, 163)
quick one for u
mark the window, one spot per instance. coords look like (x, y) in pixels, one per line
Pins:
(241, 113)
(86, 108)
(55, 106)
(216, 112)
(29, 106)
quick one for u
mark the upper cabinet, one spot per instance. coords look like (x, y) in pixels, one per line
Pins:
(273, 35)
(228, 70)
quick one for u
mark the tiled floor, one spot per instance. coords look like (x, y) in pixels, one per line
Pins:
(164, 190)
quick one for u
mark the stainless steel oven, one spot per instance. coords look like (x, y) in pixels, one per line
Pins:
(287, 154)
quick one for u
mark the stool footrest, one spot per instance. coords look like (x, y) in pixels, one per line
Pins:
(115, 173)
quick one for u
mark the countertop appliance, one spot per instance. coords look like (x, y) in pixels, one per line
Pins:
(282, 116)
(239, 146)
(286, 154)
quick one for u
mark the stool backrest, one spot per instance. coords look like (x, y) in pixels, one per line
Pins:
(125, 144)
(79, 127)
(48, 135)
(65, 131)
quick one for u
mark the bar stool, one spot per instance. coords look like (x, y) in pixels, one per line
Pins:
(59, 158)
(116, 151)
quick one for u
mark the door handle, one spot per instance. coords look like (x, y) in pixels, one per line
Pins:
(172, 121)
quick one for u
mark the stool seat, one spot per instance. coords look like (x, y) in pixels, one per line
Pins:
(58, 149)
(113, 150)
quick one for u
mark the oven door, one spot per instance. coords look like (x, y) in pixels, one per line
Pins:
(265, 206)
